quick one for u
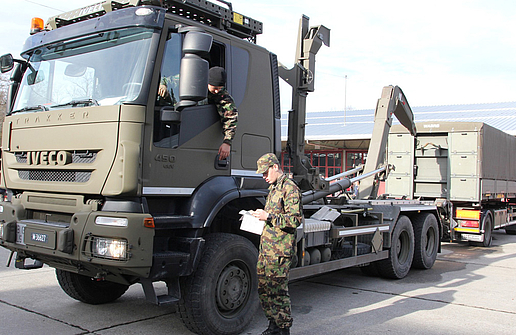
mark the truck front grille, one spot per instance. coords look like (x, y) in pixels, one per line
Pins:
(55, 176)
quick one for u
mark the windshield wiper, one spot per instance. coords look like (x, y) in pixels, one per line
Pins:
(32, 108)
(74, 103)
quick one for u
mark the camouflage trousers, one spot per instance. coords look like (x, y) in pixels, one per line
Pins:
(273, 289)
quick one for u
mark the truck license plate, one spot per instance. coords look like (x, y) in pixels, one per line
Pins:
(39, 237)
(472, 237)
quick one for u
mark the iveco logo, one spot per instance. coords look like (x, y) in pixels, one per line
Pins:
(49, 157)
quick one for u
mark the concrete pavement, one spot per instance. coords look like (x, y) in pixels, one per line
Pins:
(469, 290)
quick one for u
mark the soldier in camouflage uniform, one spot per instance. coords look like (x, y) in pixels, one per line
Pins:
(218, 95)
(282, 215)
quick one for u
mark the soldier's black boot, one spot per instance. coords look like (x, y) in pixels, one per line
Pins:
(273, 329)
(284, 331)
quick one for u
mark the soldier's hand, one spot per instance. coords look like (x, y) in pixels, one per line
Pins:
(224, 151)
(260, 214)
(162, 91)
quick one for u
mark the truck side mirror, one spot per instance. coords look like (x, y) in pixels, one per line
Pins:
(193, 81)
(35, 77)
(197, 42)
(193, 77)
(6, 63)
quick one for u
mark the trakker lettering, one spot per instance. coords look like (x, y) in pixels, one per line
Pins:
(49, 157)
(27, 120)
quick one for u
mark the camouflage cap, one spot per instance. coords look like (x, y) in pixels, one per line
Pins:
(265, 162)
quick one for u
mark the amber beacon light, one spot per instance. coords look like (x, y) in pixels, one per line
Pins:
(36, 25)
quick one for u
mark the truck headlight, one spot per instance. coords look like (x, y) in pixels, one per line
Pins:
(2, 230)
(110, 221)
(109, 248)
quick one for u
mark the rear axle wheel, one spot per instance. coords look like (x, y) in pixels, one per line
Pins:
(401, 254)
(426, 234)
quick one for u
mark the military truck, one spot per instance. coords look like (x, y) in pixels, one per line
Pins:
(113, 186)
(465, 168)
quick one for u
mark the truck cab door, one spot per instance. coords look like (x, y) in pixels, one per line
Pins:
(183, 142)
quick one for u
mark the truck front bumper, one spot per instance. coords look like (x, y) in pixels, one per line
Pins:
(93, 243)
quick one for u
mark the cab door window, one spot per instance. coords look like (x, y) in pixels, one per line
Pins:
(167, 135)
(168, 92)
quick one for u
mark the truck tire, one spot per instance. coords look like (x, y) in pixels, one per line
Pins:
(426, 237)
(401, 254)
(487, 226)
(89, 290)
(510, 230)
(221, 296)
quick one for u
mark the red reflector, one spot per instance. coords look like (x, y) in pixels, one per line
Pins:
(148, 222)
(469, 224)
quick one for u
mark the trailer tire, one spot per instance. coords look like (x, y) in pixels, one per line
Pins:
(221, 296)
(426, 237)
(401, 254)
(487, 226)
(87, 289)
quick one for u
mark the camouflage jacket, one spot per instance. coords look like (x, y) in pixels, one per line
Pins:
(227, 111)
(285, 213)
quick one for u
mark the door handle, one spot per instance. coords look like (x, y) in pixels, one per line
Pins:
(221, 164)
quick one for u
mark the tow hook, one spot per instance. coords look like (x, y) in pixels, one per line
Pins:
(20, 263)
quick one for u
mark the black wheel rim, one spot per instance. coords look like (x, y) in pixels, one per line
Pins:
(430, 242)
(233, 289)
(402, 247)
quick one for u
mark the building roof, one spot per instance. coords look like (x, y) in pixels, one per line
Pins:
(358, 124)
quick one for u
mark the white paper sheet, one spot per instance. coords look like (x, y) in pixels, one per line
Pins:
(250, 223)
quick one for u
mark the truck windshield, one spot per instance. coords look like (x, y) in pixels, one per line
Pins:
(100, 69)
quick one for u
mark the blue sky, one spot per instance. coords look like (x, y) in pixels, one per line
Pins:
(439, 52)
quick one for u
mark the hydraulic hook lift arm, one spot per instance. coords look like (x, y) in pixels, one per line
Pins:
(392, 101)
(301, 78)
